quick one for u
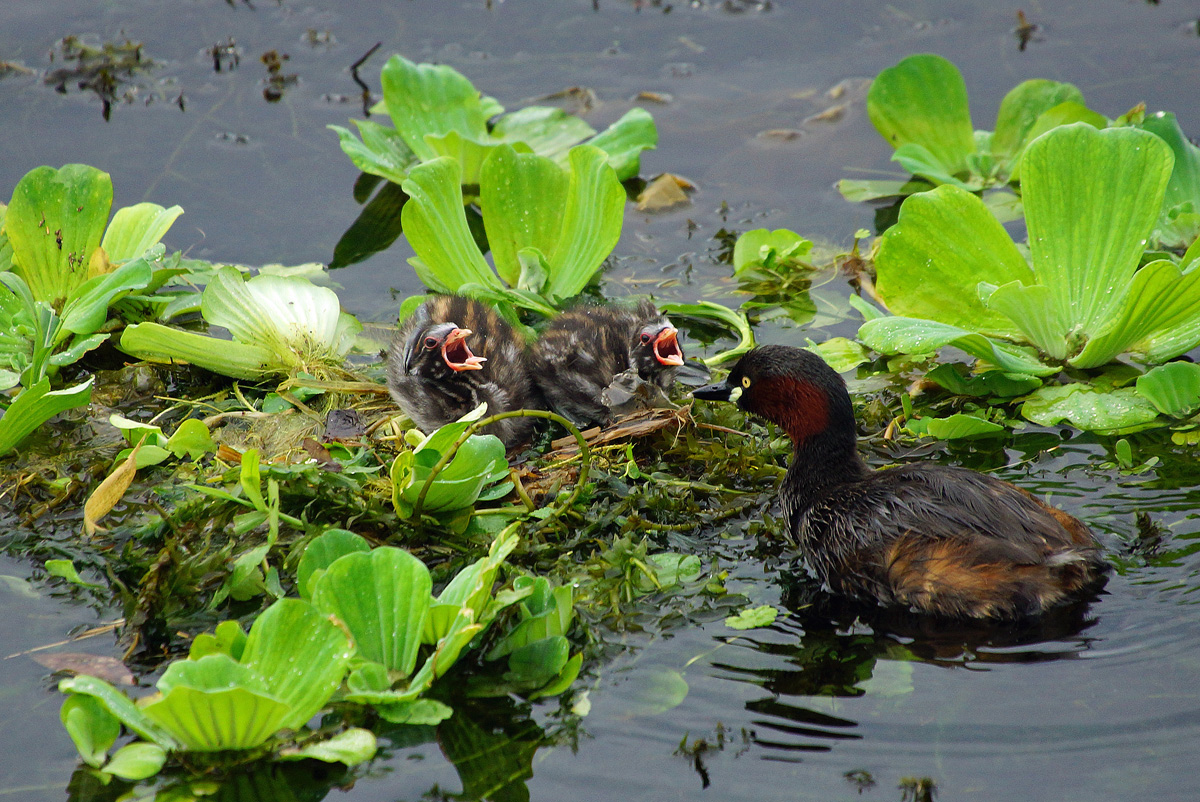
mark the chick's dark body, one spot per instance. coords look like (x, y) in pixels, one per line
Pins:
(583, 350)
(432, 393)
(935, 539)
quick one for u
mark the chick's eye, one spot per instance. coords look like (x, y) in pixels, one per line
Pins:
(431, 342)
(645, 339)
(746, 382)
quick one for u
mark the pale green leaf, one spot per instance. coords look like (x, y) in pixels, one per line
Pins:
(523, 197)
(436, 227)
(1092, 409)
(322, 552)
(1020, 109)
(1091, 198)
(431, 99)
(548, 131)
(350, 747)
(155, 342)
(1173, 389)
(624, 141)
(72, 203)
(382, 597)
(37, 404)
(931, 262)
(923, 100)
(899, 335)
(591, 223)
(752, 617)
(135, 229)
(136, 761)
(93, 729)
(381, 151)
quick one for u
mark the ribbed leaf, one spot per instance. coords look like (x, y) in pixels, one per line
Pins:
(625, 140)
(1020, 109)
(900, 335)
(35, 405)
(1091, 199)
(1173, 389)
(301, 655)
(931, 262)
(436, 227)
(548, 131)
(522, 196)
(135, 229)
(48, 204)
(381, 151)
(431, 99)
(1032, 308)
(212, 721)
(382, 597)
(591, 223)
(1160, 299)
(155, 342)
(923, 100)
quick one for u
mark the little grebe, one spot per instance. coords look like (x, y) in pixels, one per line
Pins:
(936, 539)
(582, 351)
(455, 353)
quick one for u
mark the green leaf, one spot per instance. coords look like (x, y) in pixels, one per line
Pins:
(564, 680)
(35, 405)
(436, 227)
(537, 663)
(840, 353)
(624, 141)
(136, 229)
(431, 99)
(73, 203)
(954, 378)
(381, 151)
(930, 264)
(1033, 310)
(671, 568)
(121, 706)
(548, 131)
(382, 597)
(1184, 184)
(416, 712)
(1021, 108)
(155, 342)
(923, 100)
(752, 618)
(1092, 409)
(350, 747)
(65, 569)
(857, 191)
(960, 426)
(136, 761)
(591, 223)
(523, 197)
(1160, 301)
(916, 159)
(1173, 389)
(87, 305)
(761, 247)
(901, 335)
(1091, 198)
(301, 655)
(322, 552)
(211, 719)
(191, 438)
(93, 729)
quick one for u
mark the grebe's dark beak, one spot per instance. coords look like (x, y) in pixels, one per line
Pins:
(722, 391)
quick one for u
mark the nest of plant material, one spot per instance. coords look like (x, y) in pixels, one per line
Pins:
(562, 467)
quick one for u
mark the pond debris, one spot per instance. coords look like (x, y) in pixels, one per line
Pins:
(667, 191)
(109, 669)
(662, 98)
(111, 70)
(225, 55)
(277, 79)
(366, 90)
(1025, 31)
(584, 98)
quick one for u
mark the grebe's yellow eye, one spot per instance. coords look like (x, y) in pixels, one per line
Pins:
(746, 382)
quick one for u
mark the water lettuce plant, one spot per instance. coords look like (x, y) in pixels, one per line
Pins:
(233, 692)
(62, 266)
(437, 478)
(953, 276)
(548, 230)
(280, 325)
(436, 112)
(1179, 222)
(920, 107)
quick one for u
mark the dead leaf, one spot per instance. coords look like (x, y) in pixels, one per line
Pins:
(654, 97)
(664, 192)
(830, 115)
(109, 669)
(109, 492)
(228, 453)
(321, 454)
(637, 424)
(781, 134)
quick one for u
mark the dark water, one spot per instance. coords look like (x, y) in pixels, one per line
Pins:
(1105, 705)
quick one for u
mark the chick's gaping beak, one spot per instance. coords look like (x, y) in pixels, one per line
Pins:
(666, 347)
(721, 391)
(458, 355)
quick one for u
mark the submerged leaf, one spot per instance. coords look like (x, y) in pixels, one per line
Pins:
(1173, 389)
